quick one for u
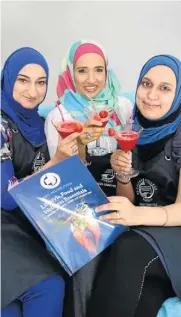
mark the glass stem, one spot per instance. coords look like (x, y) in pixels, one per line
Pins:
(98, 142)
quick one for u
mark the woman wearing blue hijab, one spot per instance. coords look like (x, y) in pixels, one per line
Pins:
(144, 264)
(32, 283)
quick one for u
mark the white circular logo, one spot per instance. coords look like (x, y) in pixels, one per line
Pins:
(108, 176)
(146, 189)
(50, 180)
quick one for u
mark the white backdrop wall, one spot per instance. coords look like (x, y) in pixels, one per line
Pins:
(131, 32)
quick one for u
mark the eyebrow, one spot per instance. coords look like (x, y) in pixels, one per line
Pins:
(163, 82)
(88, 67)
(44, 77)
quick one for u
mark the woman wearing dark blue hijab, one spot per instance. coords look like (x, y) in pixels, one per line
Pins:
(32, 283)
(143, 267)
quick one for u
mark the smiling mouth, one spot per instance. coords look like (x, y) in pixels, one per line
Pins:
(91, 88)
(147, 105)
(30, 99)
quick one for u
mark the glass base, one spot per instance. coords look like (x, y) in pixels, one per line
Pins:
(98, 151)
(132, 173)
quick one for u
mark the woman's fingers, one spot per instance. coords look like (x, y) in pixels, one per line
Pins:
(94, 130)
(92, 122)
(121, 161)
(122, 155)
(69, 138)
(108, 206)
(118, 161)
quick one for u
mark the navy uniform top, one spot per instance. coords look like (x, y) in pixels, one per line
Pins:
(157, 185)
(19, 158)
(22, 248)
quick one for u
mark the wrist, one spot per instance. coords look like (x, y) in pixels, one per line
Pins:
(82, 151)
(152, 216)
(124, 180)
(54, 160)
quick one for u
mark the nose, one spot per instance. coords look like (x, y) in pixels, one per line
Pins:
(91, 77)
(32, 90)
(153, 94)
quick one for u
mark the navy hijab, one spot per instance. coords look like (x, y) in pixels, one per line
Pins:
(155, 130)
(28, 121)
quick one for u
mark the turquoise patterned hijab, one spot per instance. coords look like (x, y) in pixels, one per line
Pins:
(71, 99)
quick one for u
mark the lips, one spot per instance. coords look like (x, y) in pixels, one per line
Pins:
(150, 106)
(90, 88)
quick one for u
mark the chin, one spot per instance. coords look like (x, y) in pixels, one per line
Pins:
(28, 106)
(150, 115)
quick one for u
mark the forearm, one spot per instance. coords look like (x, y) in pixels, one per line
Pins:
(125, 190)
(157, 216)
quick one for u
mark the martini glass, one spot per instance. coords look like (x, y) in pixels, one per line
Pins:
(127, 139)
(66, 128)
(103, 117)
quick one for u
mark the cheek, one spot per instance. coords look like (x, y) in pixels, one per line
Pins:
(42, 92)
(141, 93)
(79, 80)
(17, 91)
(102, 80)
(139, 96)
(168, 102)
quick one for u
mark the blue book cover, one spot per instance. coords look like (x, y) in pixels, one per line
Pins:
(60, 203)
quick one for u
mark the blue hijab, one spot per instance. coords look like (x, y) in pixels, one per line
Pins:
(155, 130)
(28, 121)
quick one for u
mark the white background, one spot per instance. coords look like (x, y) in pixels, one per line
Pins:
(131, 32)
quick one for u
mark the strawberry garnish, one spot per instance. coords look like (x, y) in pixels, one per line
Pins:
(111, 132)
(78, 128)
(103, 114)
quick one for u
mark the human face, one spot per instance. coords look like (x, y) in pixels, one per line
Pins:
(30, 86)
(156, 92)
(90, 74)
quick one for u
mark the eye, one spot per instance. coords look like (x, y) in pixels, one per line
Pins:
(22, 80)
(42, 82)
(82, 70)
(165, 88)
(146, 83)
(99, 70)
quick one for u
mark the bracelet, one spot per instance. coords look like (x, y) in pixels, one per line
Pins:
(127, 181)
(166, 215)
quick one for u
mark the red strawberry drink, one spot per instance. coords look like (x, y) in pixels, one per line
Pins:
(102, 116)
(68, 127)
(127, 139)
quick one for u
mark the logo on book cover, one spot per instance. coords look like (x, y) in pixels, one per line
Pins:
(50, 180)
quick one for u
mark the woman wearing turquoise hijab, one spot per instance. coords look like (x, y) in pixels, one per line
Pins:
(144, 264)
(87, 84)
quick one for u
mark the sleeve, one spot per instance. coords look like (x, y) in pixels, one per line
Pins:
(176, 151)
(51, 132)
(7, 170)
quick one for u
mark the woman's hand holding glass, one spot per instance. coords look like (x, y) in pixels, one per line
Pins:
(121, 161)
(92, 130)
(66, 147)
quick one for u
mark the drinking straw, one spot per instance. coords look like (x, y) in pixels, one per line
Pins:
(60, 110)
